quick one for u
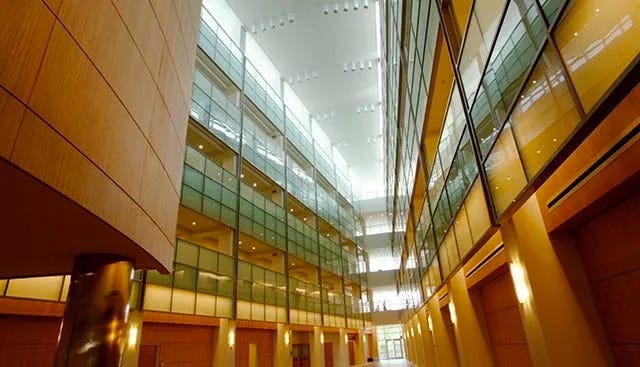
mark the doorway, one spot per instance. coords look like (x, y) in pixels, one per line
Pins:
(328, 354)
(394, 349)
(300, 354)
(148, 355)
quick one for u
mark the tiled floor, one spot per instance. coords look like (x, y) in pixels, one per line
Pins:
(391, 363)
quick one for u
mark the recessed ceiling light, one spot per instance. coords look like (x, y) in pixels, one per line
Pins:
(293, 264)
(534, 82)
(304, 219)
(575, 33)
(193, 223)
(242, 175)
(255, 184)
(253, 247)
(200, 147)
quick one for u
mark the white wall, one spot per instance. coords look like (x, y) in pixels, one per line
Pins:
(261, 62)
(296, 106)
(224, 15)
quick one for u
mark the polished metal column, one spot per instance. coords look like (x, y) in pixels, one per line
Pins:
(94, 325)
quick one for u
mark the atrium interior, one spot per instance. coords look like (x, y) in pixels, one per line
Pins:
(320, 183)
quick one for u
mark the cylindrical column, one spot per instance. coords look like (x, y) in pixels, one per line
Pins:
(94, 325)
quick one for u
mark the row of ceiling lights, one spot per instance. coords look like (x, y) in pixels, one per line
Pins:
(367, 107)
(325, 115)
(304, 76)
(273, 22)
(353, 66)
(347, 6)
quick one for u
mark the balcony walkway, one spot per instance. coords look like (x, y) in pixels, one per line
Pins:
(388, 363)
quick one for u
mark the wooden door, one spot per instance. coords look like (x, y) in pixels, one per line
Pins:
(328, 354)
(148, 356)
(352, 353)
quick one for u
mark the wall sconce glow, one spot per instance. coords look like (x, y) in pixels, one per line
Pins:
(364, 338)
(412, 334)
(430, 323)
(520, 283)
(231, 338)
(321, 338)
(419, 330)
(133, 336)
(346, 339)
(286, 338)
(452, 311)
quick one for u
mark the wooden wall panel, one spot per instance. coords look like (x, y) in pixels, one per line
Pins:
(265, 342)
(112, 79)
(610, 249)
(584, 201)
(504, 322)
(28, 341)
(180, 345)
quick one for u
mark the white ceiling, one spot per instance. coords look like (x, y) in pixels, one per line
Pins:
(321, 43)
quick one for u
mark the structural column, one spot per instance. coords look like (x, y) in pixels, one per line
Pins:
(94, 325)
(475, 346)
(559, 316)
(282, 353)
(317, 347)
(445, 349)
(426, 338)
(225, 348)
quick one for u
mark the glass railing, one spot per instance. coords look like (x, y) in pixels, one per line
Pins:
(220, 47)
(304, 302)
(333, 308)
(299, 136)
(208, 188)
(330, 256)
(344, 186)
(300, 184)
(327, 206)
(263, 96)
(201, 283)
(324, 165)
(303, 240)
(516, 48)
(213, 110)
(261, 218)
(263, 151)
(262, 294)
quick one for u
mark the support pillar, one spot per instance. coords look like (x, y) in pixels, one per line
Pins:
(560, 320)
(94, 324)
(317, 347)
(471, 331)
(224, 351)
(446, 352)
(426, 338)
(282, 352)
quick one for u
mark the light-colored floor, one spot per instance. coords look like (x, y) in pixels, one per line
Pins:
(390, 363)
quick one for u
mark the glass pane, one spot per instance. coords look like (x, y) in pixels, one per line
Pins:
(208, 260)
(598, 40)
(225, 265)
(545, 114)
(185, 277)
(187, 253)
(504, 171)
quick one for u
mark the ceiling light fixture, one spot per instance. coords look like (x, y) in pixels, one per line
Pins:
(355, 5)
(254, 30)
(193, 223)
(346, 6)
(306, 76)
(365, 4)
(281, 21)
(335, 9)
(361, 65)
(200, 147)
(358, 109)
(315, 74)
(263, 27)
(346, 67)
(370, 65)
(326, 10)
(253, 247)
(292, 18)
(273, 23)
(353, 66)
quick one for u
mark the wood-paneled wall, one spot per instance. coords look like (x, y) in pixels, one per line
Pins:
(94, 100)
(28, 340)
(504, 322)
(180, 345)
(610, 250)
(264, 339)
